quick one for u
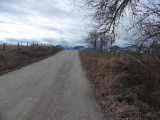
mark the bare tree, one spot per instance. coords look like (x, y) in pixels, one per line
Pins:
(92, 39)
(147, 20)
(105, 40)
(145, 15)
(95, 40)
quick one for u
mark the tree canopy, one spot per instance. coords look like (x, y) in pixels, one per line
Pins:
(145, 16)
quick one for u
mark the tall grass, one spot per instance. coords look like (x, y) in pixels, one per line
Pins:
(138, 95)
(130, 88)
(17, 58)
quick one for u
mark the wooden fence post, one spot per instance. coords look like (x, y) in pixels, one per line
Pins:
(4, 47)
(148, 54)
(27, 45)
(18, 45)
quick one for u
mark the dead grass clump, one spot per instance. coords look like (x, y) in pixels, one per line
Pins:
(112, 70)
(17, 58)
(117, 75)
(129, 87)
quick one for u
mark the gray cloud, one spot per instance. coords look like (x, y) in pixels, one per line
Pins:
(13, 40)
(13, 7)
(50, 28)
(49, 40)
(52, 9)
(49, 21)
(47, 8)
(60, 41)
(64, 42)
(4, 31)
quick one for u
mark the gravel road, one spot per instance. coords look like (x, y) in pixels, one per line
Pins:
(53, 89)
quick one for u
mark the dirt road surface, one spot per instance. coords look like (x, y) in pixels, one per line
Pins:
(53, 89)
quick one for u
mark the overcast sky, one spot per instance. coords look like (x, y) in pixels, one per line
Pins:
(43, 21)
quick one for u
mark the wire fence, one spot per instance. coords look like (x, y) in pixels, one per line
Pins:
(5, 47)
(136, 64)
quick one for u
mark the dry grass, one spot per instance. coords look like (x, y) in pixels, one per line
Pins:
(131, 89)
(152, 61)
(96, 54)
(138, 95)
(11, 47)
(103, 94)
(12, 59)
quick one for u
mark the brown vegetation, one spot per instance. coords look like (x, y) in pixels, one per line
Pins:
(14, 58)
(152, 61)
(138, 96)
(102, 91)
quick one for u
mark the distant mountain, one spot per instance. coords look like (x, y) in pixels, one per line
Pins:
(71, 48)
(115, 47)
(130, 47)
(33, 45)
(64, 47)
(59, 46)
(125, 48)
(78, 48)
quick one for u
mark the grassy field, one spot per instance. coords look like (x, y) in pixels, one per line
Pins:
(96, 54)
(136, 96)
(11, 47)
(13, 58)
(151, 61)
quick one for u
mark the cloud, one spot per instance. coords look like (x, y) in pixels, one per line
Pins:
(12, 40)
(44, 21)
(15, 41)
(13, 7)
(51, 28)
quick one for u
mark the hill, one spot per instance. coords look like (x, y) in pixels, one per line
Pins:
(71, 48)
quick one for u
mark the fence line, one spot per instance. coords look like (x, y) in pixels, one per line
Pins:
(4, 46)
(136, 63)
